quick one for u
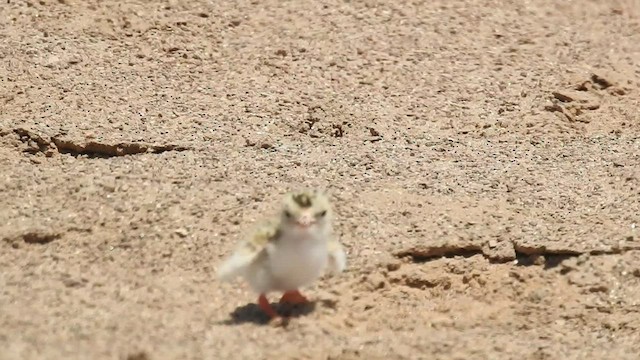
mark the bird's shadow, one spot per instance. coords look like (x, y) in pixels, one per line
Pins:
(251, 313)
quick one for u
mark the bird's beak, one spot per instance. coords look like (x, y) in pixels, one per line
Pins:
(305, 222)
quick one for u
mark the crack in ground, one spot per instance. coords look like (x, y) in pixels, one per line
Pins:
(93, 149)
(98, 149)
(420, 254)
(525, 255)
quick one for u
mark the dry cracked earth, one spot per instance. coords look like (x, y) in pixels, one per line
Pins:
(482, 156)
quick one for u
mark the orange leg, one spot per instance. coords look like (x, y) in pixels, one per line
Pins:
(293, 297)
(264, 305)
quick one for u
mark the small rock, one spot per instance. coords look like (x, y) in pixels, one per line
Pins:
(337, 130)
(374, 281)
(182, 232)
(49, 152)
(393, 265)
(599, 288)
(52, 61)
(500, 251)
(260, 142)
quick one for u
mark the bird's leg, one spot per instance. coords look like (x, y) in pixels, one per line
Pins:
(264, 305)
(293, 297)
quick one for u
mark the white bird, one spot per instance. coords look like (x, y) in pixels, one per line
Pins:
(289, 252)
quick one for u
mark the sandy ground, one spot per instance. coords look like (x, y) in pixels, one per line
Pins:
(482, 156)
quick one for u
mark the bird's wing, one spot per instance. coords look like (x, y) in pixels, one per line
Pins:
(248, 251)
(337, 257)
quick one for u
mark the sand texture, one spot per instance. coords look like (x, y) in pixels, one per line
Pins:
(483, 159)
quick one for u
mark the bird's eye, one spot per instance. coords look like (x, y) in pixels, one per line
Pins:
(287, 214)
(322, 213)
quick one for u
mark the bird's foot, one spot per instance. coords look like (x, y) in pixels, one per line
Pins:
(293, 297)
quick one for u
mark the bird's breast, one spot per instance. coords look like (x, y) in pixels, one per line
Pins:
(298, 263)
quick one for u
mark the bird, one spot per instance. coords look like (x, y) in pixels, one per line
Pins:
(288, 252)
